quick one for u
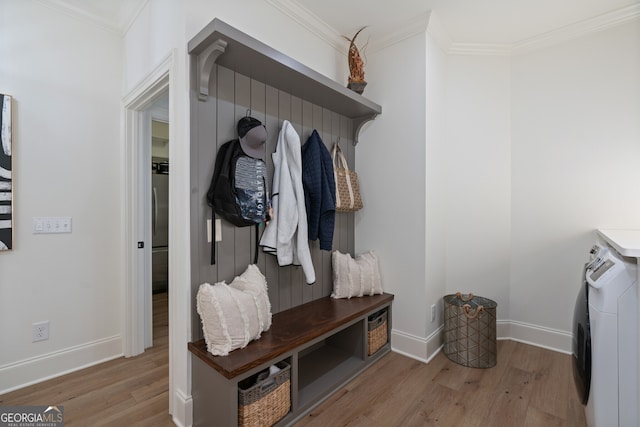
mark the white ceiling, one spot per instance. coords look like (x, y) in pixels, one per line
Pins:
(464, 21)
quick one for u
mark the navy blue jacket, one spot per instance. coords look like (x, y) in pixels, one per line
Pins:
(319, 190)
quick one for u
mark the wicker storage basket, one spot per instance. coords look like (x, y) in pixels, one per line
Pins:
(265, 402)
(470, 330)
(377, 331)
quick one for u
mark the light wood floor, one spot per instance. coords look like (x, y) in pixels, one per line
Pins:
(121, 392)
(529, 387)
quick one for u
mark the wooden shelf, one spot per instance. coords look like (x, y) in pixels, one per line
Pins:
(219, 43)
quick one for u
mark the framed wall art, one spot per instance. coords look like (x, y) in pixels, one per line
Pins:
(6, 187)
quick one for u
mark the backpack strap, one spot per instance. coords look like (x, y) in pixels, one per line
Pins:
(213, 235)
(255, 257)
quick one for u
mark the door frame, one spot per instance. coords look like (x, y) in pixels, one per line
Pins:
(137, 261)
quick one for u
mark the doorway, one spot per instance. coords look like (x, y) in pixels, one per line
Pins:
(157, 217)
(140, 105)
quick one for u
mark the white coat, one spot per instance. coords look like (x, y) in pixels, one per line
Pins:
(286, 234)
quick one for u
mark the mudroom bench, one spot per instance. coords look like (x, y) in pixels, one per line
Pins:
(323, 344)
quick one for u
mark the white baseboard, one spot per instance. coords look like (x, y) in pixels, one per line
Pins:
(41, 368)
(182, 409)
(424, 349)
(540, 336)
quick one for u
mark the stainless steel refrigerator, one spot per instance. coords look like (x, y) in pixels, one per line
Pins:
(160, 226)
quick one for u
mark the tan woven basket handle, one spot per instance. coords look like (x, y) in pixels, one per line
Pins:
(470, 313)
(469, 298)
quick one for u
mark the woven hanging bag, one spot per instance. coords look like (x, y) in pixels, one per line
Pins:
(348, 197)
(470, 330)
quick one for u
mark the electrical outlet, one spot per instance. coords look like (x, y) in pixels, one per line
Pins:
(40, 331)
(433, 312)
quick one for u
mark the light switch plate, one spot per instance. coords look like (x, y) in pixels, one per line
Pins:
(218, 230)
(51, 225)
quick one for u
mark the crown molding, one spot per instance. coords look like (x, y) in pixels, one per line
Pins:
(330, 35)
(494, 49)
(311, 22)
(428, 22)
(438, 32)
(415, 26)
(578, 29)
(125, 20)
(550, 38)
(82, 14)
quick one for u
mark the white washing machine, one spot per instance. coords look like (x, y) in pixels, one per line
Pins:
(606, 326)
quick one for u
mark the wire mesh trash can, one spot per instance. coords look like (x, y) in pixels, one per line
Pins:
(470, 330)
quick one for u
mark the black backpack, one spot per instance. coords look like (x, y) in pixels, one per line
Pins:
(238, 191)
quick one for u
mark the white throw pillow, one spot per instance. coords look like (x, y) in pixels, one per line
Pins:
(235, 314)
(355, 277)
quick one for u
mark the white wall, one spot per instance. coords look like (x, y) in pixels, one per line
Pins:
(436, 182)
(157, 29)
(478, 180)
(64, 75)
(543, 149)
(537, 151)
(575, 153)
(436, 174)
(390, 161)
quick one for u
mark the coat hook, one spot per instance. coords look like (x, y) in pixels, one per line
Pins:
(248, 112)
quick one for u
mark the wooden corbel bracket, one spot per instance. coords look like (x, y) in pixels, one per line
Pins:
(206, 62)
(358, 123)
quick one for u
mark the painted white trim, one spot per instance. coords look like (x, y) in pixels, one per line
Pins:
(409, 345)
(550, 38)
(142, 96)
(419, 24)
(126, 16)
(422, 349)
(34, 370)
(180, 301)
(82, 14)
(438, 32)
(579, 29)
(479, 49)
(311, 22)
(183, 415)
(412, 27)
(539, 336)
(425, 349)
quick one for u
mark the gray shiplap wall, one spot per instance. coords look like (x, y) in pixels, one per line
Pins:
(213, 122)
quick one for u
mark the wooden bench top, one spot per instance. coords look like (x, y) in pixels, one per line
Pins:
(290, 329)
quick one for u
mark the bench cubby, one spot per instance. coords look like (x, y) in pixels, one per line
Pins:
(324, 341)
